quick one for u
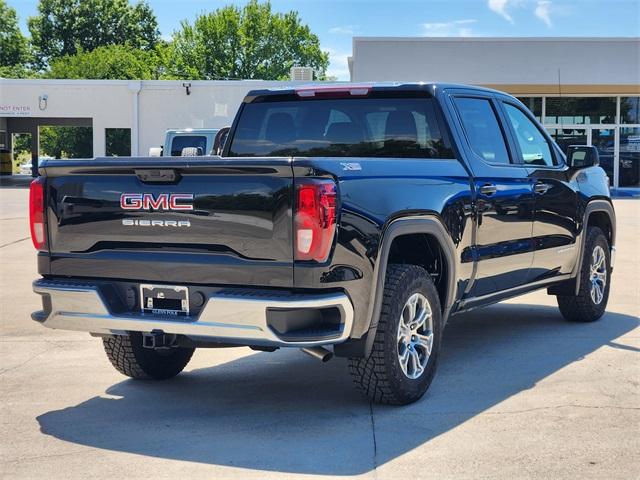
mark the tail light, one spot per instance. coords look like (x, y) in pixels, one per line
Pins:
(315, 219)
(36, 214)
(333, 91)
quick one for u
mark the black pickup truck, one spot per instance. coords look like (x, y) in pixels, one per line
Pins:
(348, 220)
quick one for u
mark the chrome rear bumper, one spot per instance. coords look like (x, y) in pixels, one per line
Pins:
(226, 317)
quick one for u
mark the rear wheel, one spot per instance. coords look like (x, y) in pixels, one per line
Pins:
(591, 301)
(129, 357)
(403, 360)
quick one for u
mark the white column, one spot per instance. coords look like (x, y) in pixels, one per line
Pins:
(616, 147)
(135, 88)
(99, 140)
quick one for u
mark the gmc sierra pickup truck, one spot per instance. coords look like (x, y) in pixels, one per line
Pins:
(348, 220)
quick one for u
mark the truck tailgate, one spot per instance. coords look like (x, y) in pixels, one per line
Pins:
(175, 220)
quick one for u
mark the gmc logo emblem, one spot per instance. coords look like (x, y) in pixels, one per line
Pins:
(162, 201)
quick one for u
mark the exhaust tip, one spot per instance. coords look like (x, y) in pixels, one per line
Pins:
(319, 353)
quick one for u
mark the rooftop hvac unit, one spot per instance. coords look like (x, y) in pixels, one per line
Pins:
(303, 74)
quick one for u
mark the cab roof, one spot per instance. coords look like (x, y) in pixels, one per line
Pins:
(357, 89)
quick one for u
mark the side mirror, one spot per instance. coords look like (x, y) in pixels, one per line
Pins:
(155, 151)
(582, 156)
(218, 142)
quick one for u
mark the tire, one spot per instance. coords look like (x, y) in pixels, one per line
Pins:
(583, 307)
(381, 375)
(129, 357)
(191, 152)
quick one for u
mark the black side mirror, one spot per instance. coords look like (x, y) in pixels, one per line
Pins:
(582, 156)
(218, 142)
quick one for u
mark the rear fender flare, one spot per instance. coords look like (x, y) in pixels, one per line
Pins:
(430, 225)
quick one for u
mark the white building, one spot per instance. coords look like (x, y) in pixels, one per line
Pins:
(146, 108)
(584, 90)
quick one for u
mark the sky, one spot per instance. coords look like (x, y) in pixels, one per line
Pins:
(336, 22)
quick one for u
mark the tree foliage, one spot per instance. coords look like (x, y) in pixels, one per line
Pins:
(63, 27)
(122, 62)
(116, 39)
(14, 48)
(252, 43)
(118, 142)
(66, 142)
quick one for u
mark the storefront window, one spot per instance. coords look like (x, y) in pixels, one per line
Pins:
(118, 142)
(629, 163)
(629, 110)
(534, 104)
(580, 110)
(565, 137)
(604, 140)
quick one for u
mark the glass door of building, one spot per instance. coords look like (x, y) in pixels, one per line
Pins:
(569, 135)
(619, 149)
(629, 157)
(604, 140)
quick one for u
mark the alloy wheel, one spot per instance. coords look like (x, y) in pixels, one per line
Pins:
(598, 274)
(415, 336)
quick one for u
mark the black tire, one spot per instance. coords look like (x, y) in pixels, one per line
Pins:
(129, 357)
(581, 307)
(380, 375)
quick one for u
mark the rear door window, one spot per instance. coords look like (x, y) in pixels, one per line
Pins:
(482, 129)
(345, 127)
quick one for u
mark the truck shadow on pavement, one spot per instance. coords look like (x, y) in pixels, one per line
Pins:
(286, 412)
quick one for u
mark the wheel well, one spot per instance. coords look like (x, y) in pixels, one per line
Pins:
(423, 250)
(601, 219)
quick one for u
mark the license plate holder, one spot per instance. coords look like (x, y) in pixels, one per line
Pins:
(164, 300)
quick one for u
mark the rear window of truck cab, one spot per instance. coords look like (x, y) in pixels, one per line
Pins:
(340, 127)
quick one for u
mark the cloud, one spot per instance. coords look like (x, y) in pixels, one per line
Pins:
(454, 28)
(343, 30)
(338, 66)
(500, 7)
(543, 11)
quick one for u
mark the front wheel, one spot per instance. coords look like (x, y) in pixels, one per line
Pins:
(595, 279)
(403, 360)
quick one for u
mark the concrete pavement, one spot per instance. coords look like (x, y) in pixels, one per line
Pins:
(520, 393)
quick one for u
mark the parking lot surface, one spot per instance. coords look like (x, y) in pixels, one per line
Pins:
(520, 393)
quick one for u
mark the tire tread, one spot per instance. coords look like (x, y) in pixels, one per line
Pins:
(580, 307)
(133, 361)
(372, 375)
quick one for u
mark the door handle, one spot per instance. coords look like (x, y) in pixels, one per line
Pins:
(488, 189)
(541, 188)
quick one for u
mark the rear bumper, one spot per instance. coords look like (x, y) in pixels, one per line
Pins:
(229, 316)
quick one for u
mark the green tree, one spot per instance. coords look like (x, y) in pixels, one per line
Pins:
(66, 142)
(252, 42)
(122, 62)
(118, 142)
(14, 48)
(22, 143)
(62, 27)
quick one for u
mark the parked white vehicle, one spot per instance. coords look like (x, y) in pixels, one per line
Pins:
(186, 142)
(25, 168)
